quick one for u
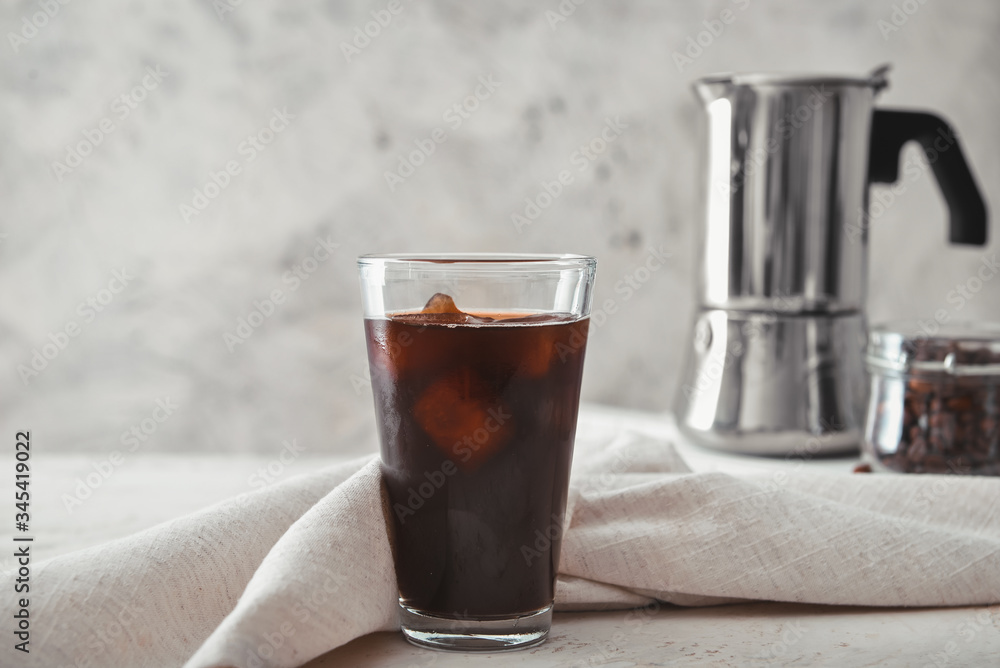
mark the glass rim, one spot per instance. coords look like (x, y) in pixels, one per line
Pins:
(890, 347)
(492, 261)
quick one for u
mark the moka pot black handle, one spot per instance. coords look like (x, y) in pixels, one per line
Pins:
(892, 128)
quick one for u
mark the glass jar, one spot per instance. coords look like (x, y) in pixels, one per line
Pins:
(934, 405)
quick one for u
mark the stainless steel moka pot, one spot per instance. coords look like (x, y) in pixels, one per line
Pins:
(774, 365)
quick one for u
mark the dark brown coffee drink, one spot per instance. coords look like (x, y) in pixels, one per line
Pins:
(477, 415)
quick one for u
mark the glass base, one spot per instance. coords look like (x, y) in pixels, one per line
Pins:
(475, 635)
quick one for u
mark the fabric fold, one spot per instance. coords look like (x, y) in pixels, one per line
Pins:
(276, 577)
(151, 599)
(328, 580)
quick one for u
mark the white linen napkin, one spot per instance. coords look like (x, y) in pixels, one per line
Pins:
(279, 576)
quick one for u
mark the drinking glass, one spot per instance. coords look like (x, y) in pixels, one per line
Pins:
(476, 362)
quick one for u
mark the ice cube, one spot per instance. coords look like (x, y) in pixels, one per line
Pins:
(443, 308)
(537, 352)
(440, 303)
(464, 423)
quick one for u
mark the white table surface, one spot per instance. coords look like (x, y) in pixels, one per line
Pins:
(146, 490)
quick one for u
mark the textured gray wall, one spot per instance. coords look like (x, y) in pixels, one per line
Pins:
(553, 85)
